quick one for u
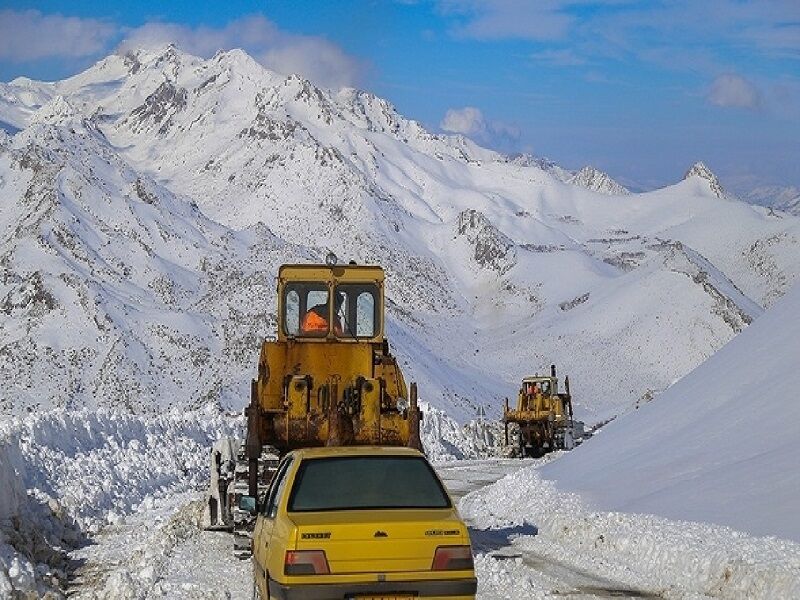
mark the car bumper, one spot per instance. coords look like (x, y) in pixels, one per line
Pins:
(451, 588)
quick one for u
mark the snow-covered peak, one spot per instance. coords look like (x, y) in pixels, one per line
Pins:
(59, 111)
(25, 82)
(598, 181)
(699, 169)
(243, 63)
(542, 163)
(157, 53)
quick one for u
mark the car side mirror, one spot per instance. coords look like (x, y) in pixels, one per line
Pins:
(247, 504)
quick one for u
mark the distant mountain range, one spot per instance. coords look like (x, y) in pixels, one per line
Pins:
(786, 198)
(146, 203)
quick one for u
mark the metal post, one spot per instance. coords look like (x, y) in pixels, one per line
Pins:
(414, 416)
(253, 443)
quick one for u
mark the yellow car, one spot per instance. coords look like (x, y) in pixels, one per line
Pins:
(359, 523)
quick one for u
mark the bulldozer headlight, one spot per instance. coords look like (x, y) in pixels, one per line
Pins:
(402, 404)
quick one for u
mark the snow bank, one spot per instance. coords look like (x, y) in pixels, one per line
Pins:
(718, 446)
(11, 496)
(62, 473)
(445, 439)
(672, 559)
(102, 464)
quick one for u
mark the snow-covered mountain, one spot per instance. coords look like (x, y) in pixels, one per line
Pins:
(146, 203)
(700, 170)
(776, 197)
(596, 180)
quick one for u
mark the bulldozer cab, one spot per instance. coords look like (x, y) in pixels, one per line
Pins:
(539, 398)
(319, 303)
(539, 386)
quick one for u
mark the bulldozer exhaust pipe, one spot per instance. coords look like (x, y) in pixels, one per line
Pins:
(552, 370)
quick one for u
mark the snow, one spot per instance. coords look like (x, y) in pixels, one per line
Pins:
(718, 446)
(593, 179)
(776, 197)
(67, 473)
(444, 439)
(671, 559)
(137, 480)
(530, 538)
(161, 552)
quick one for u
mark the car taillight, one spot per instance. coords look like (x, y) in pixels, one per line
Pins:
(452, 558)
(306, 562)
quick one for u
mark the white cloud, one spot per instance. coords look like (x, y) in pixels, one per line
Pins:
(500, 19)
(470, 121)
(317, 59)
(30, 35)
(731, 90)
(313, 57)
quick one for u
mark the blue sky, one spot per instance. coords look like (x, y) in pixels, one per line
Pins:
(640, 89)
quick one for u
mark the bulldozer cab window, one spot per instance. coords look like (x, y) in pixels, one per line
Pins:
(305, 309)
(358, 310)
(545, 388)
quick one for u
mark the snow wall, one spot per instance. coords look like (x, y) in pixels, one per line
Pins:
(720, 445)
(63, 474)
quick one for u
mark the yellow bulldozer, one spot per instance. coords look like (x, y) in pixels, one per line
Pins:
(327, 379)
(542, 418)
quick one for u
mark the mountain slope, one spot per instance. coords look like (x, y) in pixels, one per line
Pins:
(776, 197)
(714, 445)
(496, 267)
(115, 290)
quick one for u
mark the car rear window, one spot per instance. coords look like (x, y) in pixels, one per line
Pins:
(366, 482)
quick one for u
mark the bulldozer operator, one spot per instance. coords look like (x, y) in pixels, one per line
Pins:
(533, 392)
(529, 394)
(316, 319)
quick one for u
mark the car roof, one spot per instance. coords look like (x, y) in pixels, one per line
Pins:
(340, 451)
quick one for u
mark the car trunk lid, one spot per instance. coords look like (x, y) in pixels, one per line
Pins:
(379, 540)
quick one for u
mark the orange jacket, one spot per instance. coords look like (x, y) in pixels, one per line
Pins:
(313, 322)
